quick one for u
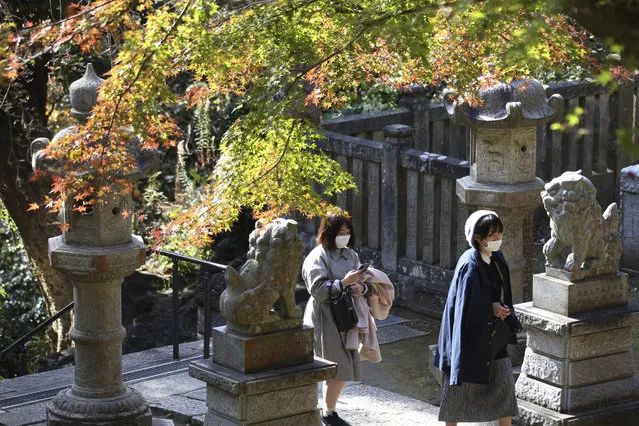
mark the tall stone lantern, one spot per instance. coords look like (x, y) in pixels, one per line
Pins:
(95, 254)
(503, 158)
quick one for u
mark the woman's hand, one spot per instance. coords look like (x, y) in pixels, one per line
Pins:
(500, 311)
(356, 289)
(353, 277)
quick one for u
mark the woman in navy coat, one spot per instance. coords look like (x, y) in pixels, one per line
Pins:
(477, 387)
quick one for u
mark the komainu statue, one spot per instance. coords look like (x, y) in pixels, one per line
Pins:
(260, 298)
(576, 223)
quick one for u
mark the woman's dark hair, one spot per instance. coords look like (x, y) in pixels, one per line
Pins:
(485, 226)
(329, 228)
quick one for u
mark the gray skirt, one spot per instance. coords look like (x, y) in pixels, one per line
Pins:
(472, 402)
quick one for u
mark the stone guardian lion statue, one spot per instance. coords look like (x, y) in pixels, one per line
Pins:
(577, 225)
(262, 292)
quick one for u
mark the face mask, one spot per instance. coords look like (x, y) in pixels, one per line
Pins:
(493, 245)
(341, 241)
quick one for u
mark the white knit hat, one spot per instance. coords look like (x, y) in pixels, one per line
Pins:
(472, 221)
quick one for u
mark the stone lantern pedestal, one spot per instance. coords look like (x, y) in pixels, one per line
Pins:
(503, 158)
(98, 395)
(95, 254)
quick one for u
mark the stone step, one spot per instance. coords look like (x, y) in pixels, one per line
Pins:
(390, 320)
(396, 332)
(162, 422)
(173, 393)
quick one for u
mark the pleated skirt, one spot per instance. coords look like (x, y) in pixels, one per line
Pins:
(472, 402)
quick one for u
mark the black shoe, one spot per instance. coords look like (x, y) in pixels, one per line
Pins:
(334, 420)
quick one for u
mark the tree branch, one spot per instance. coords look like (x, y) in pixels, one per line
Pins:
(4, 98)
(357, 35)
(279, 160)
(70, 18)
(137, 75)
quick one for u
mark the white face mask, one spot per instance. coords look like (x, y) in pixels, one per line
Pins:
(341, 241)
(493, 245)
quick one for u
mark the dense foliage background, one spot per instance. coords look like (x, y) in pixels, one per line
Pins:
(21, 302)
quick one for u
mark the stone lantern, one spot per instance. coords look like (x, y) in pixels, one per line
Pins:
(503, 161)
(95, 254)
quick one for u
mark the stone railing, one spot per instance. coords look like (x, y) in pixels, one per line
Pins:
(406, 213)
(592, 147)
(406, 161)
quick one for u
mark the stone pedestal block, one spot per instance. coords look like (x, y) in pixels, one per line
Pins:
(249, 354)
(574, 400)
(269, 327)
(572, 298)
(267, 379)
(580, 372)
(283, 396)
(577, 369)
(618, 415)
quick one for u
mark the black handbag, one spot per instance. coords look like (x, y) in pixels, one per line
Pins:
(503, 331)
(343, 310)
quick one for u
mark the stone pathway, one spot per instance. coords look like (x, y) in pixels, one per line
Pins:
(173, 394)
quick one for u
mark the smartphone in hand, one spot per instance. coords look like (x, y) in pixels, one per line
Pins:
(364, 266)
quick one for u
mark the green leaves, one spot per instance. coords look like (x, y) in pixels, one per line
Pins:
(490, 42)
(287, 60)
(572, 119)
(21, 304)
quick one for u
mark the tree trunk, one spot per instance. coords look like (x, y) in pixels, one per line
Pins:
(22, 119)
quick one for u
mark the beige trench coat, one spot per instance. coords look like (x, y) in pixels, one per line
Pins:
(321, 271)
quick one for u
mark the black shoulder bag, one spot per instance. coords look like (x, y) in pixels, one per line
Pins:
(343, 310)
(503, 330)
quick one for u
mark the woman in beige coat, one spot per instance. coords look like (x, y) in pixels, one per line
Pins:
(329, 268)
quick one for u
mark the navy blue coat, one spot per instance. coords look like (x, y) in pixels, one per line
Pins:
(464, 346)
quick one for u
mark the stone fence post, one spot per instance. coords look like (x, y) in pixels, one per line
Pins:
(630, 216)
(418, 102)
(396, 138)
